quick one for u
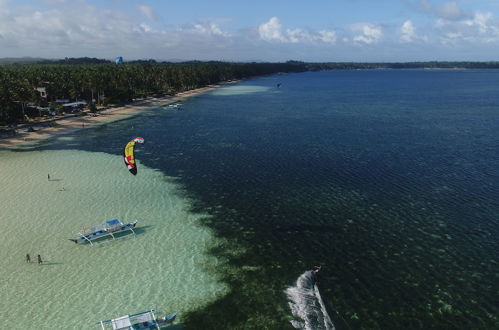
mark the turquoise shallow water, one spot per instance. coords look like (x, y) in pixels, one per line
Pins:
(163, 267)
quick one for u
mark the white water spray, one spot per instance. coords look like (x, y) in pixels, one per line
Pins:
(307, 306)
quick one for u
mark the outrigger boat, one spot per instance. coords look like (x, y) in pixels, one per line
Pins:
(109, 228)
(144, 320)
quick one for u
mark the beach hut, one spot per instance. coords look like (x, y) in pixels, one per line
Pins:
(74, 106)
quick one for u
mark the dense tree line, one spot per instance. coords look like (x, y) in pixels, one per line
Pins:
(101, 81)
(402, 65)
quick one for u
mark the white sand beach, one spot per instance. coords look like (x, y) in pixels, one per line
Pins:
(67, 123)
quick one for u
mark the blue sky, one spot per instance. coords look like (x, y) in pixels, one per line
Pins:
(257, 30)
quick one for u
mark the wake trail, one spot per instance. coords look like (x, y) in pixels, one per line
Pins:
(307, 305)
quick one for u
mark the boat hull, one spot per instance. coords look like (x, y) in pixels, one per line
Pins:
(103, 233)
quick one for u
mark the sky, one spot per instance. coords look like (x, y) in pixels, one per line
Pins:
(256, 30)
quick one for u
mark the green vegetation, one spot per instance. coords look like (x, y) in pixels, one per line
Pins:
(402, 65)
(103, 82)
(92, 108)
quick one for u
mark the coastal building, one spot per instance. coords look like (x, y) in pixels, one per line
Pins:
(42, 91)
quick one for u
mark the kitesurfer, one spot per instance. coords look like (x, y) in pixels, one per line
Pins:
(314, 272)
(129, 155)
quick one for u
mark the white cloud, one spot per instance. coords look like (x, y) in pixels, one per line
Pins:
(147, 11)
(408, 33)
(369, 33)
(272, 31)
(481, 21)
(298, 35)
(448, 10)
(76, 28)
(480, 28)
(83, 30)
(210, 29)
(143, 27)
(451, 10)
(327, 36)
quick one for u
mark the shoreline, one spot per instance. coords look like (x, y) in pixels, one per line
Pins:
(76, 122)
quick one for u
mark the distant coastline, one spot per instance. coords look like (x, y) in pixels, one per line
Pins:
(404, 65)
(331, 65)
(34, 89)
(42, 89)
(66, 124)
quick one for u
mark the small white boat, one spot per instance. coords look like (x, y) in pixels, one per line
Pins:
(109, 229)
(175, 105)
(144, 320)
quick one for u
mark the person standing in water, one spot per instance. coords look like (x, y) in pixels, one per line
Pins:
(39, 260)
(28, 258)
(48, 176)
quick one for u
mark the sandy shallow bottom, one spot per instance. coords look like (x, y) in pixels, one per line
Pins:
(163, 267)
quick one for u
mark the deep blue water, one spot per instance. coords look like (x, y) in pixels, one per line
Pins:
(389, 179)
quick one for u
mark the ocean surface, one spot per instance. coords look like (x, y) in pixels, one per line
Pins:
(389, 179)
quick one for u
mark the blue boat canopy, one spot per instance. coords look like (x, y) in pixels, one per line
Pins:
(113, 222)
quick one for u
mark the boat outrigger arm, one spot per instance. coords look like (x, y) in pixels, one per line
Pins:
(125, 322)
(110, 228)
(144, 320)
